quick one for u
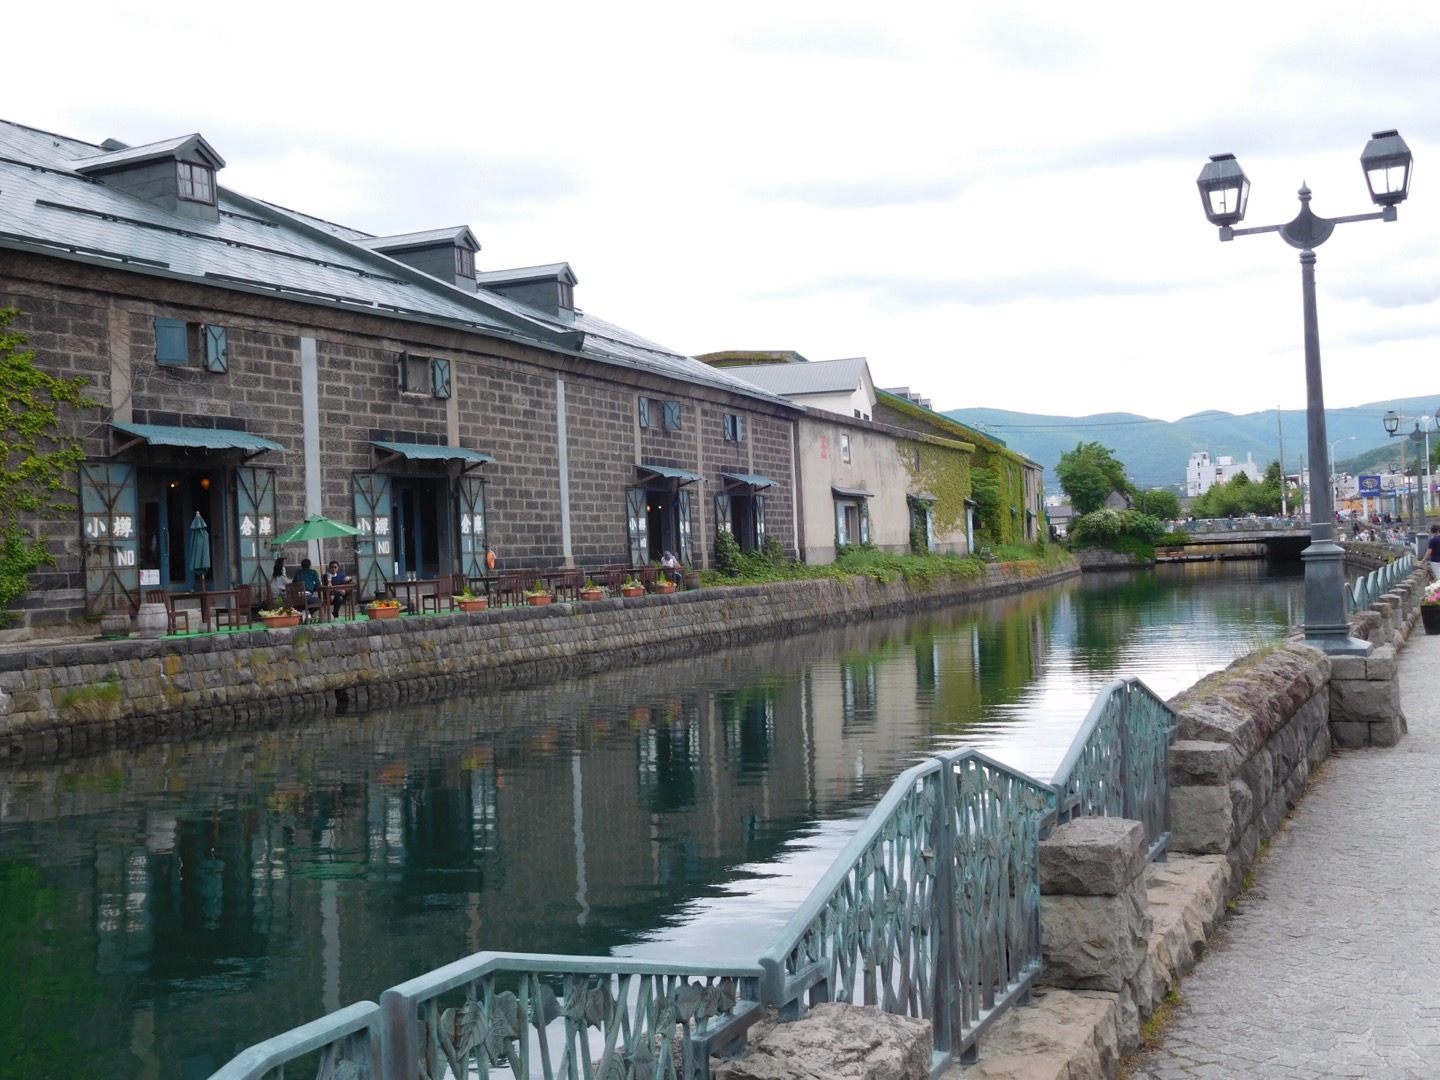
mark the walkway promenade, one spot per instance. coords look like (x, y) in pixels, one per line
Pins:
(1331, 964)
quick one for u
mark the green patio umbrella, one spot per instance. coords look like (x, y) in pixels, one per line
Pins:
(199, 547)
(316, 527)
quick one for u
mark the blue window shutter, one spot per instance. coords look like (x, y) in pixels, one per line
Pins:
(644, 412)
(440, 376)
(672, 416)
(217, 351)
(404, 370)
(171, 344)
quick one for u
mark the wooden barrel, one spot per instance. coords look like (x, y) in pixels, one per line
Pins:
(152, 620)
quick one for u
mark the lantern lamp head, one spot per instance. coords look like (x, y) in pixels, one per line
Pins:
(1224, 190)
(1391, 420)
(1387, 163)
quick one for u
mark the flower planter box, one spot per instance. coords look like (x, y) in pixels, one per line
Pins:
(1430, 616)
(667, 587)
(539, 600)
(473, 605)
(279, 622)
(592, 594)
(383, 612)
(636, 591)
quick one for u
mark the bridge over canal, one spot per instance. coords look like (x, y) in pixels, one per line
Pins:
(1238, 538)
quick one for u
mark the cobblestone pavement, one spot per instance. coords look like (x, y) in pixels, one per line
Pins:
(1331, 964)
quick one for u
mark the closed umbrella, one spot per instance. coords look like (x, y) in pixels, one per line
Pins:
(200, 547)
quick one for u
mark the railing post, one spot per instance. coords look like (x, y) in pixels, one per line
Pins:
(399, 1041)
(945, 1017)
(1128, 799)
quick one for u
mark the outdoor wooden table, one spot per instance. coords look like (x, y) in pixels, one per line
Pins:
(207, 601)
(345, 595)
(413, 590)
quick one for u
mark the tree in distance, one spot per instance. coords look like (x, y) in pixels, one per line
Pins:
(1088, 474)
(1159, 503)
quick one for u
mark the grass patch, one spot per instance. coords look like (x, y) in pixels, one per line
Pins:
(1153, 1033)
(867, 561)
(108, 692)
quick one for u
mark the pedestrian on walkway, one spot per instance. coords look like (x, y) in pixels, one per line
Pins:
(1432, 552)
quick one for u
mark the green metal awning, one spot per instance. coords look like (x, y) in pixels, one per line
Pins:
(666, 472)
(923, 496)
(195, 438)
(753, 480)
(430, 452)
(851, 493)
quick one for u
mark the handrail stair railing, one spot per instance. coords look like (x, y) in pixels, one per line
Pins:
(932, 910)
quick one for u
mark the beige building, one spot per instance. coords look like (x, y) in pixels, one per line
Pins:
(859, 480)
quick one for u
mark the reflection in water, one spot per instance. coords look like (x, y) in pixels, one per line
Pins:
(162, 908)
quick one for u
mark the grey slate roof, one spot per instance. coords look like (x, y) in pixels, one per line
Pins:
(46, 206)
(821, 377)
(150, 151)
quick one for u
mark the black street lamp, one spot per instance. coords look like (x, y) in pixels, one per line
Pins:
(1224, 192)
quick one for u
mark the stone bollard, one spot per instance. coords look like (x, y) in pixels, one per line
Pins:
(1095, 915)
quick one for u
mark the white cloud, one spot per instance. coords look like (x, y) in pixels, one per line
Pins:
(995, 204)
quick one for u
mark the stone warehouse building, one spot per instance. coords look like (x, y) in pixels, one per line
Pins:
(255, 365)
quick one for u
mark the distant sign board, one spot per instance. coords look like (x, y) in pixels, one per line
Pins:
(1369, 485)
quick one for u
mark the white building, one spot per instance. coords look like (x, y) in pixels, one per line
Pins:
(1204, 472)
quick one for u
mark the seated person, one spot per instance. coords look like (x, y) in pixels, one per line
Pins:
(309, 578)
(278, 581)
(335, 577)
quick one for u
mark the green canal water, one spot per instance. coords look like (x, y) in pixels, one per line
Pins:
(162, 908)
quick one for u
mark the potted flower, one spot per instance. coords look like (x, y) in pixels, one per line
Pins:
(1430, 608)
(537, 595)
(591, 591)
(383, 609)
(468, 601)
(631, 587)
(664, 584)
(280, 615)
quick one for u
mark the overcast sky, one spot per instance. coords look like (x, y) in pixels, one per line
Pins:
(993, 202)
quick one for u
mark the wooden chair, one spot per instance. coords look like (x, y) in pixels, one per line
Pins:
(241, 613)
(446, 586)
(173, 615)
(297, 598)
(510, 590)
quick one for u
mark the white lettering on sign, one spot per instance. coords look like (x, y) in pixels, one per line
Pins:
(96, 527)
(123, 525)
(363, 524)
(124, 556)
(267, 525)
(382, 526)
(247, 526)
(382, 547)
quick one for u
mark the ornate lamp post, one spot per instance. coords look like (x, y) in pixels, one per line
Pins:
(1224, 192)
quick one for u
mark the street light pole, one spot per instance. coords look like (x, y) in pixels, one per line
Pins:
(1224, 192)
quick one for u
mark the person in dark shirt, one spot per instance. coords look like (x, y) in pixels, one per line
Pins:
(309, 577)
(335, 576)
(1432, 552)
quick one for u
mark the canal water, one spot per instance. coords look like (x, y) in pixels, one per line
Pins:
(162, 908)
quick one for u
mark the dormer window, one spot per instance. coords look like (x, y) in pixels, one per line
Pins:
(464, 262)
(567, 295)
(197, 182)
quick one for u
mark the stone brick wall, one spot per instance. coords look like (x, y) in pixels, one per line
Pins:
(100, 323)
(54, 699)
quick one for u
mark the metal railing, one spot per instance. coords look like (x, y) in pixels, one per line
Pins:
(1116, 765)
(932, 911)
(1360, 594)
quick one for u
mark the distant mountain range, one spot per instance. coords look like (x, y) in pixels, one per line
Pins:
(1155, 452)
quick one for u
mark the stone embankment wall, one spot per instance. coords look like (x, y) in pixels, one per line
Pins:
(70, 695)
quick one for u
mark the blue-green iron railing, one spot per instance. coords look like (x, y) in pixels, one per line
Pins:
(1359, 595)
(931, 911)
(1117, 764)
